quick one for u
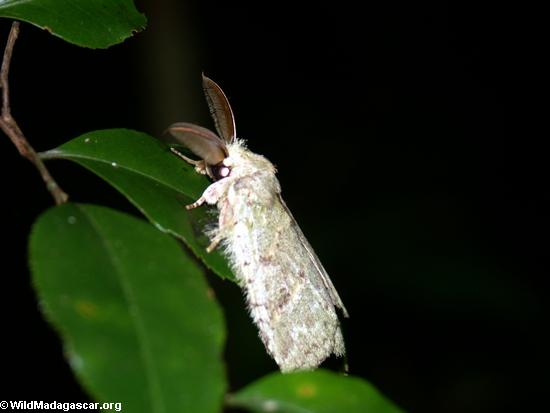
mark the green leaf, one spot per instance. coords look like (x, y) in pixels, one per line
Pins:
(156, 181)
(137, 319)
(317, 391)
(88, 23)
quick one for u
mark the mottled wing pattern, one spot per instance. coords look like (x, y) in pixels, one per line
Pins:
(287, 291)
(321, 272)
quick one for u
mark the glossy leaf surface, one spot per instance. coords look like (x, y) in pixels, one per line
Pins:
(318, 391)
(137, 318)
(156, 181)
(88, 23)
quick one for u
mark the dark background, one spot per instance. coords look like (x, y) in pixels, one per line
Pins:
(405, 140)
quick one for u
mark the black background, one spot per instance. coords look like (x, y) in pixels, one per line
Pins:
(405, 142)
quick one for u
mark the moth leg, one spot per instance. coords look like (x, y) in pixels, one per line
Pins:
(200, 166)
(226, 222)
(211, 195)
(215, 242)
(196, 204)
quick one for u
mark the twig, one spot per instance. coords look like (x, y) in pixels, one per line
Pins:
(11, 128)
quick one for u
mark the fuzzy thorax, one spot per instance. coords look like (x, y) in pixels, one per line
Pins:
(244, 162)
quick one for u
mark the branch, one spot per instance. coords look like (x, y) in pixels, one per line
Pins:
(11, 128)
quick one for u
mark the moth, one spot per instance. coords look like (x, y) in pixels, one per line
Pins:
(290, 296)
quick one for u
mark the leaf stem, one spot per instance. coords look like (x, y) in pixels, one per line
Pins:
(11, 128)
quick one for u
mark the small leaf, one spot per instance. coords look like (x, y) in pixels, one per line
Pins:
(138, 322)
(88, 23)
(317, 391)
(156, 181)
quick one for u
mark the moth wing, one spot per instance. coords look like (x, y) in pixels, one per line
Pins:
(201, 141)
(329, 286)
(220, 109)
(297, 321)
(290, 296)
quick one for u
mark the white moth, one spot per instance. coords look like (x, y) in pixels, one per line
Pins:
(289, 294)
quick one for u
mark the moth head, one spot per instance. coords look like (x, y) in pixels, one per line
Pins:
(220, 171)
(208, 146)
